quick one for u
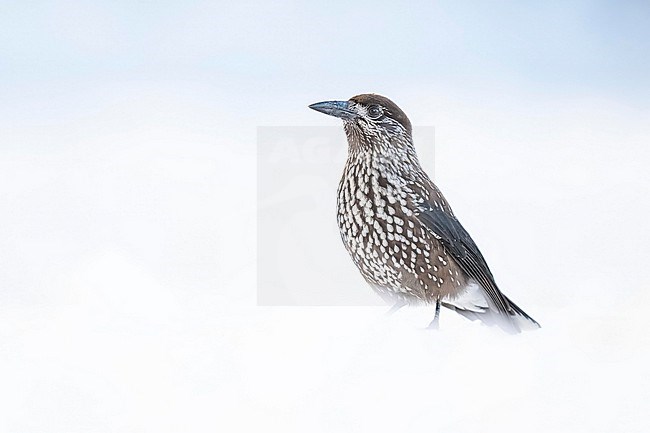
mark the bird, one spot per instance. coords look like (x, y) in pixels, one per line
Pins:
(399, 229)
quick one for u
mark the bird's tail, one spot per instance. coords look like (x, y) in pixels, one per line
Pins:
(524, 320)
(474, 306)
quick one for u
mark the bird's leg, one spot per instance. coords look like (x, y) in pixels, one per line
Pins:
(435, 323)
(399, 304)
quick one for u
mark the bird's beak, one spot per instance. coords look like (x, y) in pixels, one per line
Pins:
(339, 109)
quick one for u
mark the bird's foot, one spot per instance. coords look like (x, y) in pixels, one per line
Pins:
(395, 307)
(435, 323)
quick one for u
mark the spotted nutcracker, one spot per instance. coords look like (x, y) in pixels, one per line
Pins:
(398, 228)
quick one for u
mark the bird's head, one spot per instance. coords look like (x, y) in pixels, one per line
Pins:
(368, 116)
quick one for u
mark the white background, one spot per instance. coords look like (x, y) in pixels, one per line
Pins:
(128, 188)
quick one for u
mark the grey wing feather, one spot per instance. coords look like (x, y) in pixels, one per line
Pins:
(460, 245)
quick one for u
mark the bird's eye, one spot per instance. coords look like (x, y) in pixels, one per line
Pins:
(374, 112)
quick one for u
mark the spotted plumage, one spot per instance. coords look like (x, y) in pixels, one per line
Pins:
(399, 229)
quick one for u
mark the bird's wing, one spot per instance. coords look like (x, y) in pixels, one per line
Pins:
(458, 243)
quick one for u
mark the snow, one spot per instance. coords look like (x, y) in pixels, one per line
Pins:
(203, 366)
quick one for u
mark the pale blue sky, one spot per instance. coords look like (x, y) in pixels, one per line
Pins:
(252, 51)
